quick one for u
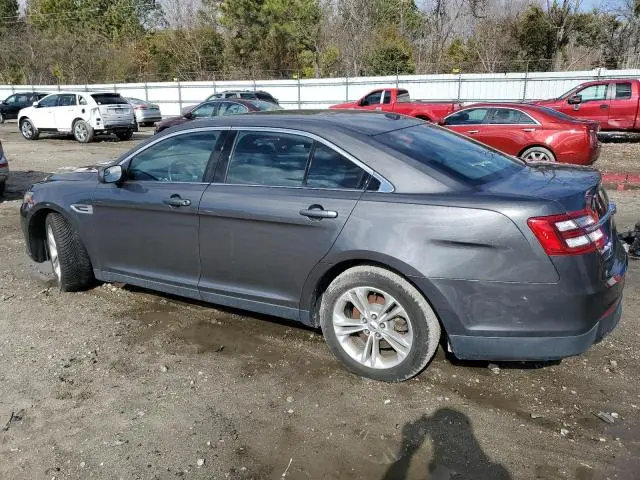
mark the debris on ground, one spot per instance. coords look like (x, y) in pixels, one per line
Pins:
(564, 432)
(606, 417)
(631, 239)
(15, 417)
(289, 399)
(164, 368)
(200, 462)
(495, 369)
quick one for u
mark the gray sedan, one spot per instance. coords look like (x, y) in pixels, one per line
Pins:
(390, 234)
(146, 113)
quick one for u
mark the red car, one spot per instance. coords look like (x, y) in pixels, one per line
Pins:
(397, 100)
(530, 132)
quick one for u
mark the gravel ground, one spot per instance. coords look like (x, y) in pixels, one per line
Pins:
(619, 157)
(119, 382)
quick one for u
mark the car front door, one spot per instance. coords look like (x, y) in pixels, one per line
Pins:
(622, 107)
(594, 105)
(276, 207)
(44, 116)
(66, 111)
(470, 122)
(145, 230)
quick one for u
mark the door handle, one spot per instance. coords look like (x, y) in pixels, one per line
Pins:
(177, 201)
(604, 106)
(473, 131)
(528, 129)
(316, 211)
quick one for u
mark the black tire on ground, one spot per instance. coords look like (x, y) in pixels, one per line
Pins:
(2, 188)
(539, 154)
(2, 118)
(75, 271)
(423, 321)
(82, 131)
(28, 129)
(126, 135)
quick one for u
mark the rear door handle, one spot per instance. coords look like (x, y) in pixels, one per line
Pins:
(528, 129)
(604, 106)
(473, 131)
(176, 200)
(316, 211)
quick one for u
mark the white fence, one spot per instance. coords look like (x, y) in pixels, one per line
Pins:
(320, 93)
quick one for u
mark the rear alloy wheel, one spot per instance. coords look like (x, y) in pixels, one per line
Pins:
(28, 130)
(82, 131)
(2, 118)
(538, 154)
(69, 258)
(378, 324)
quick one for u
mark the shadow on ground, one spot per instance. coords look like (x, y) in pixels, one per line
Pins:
(456, 452)
(18, 183)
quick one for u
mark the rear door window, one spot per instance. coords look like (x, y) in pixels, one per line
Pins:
(509, 116)
(329, 169)
(232, 108)
(450, 154)
(471, 116)
(109, 99)
(623, 91)
(269, 158)
(403, 96)
(67, 100)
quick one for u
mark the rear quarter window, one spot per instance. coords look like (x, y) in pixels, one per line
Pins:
(450, 154)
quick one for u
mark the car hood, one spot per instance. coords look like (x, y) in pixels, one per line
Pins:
(78, 174)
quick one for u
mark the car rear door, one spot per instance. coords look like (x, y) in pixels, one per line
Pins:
(145, 230)
(509, 130)
(276, 206)
(623, 105)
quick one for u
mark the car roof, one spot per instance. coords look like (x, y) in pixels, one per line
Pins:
(318, 122)
(82, 92)
(243, 101)
(529, 108)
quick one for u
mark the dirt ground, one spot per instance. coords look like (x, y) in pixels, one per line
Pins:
(122, 383)
(619, 157)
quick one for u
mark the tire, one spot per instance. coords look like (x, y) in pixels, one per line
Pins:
(419, 331)
(538, 154)
(69, 258)
(124, 136)
(2, 118)
(2, 188)
(83, 132)
(28, 129)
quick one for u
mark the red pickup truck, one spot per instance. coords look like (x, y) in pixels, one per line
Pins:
(397, 100)
(612, 103)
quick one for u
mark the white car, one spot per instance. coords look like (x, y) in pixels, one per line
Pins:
(84, 114)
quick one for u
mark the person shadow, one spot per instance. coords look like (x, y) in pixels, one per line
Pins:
(457, 455)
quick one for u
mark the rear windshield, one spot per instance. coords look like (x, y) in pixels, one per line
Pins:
(403, 97)
(109, 99)
(559, 115)
(451, 154)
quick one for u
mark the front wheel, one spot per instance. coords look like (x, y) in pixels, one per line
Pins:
(28, 130)
(126, 135)
(69, 258)
(378, 324)
(538, 154)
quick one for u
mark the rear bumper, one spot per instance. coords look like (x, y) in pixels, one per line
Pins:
(533, 348)
(148, 116)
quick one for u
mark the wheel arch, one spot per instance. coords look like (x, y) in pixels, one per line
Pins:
(324, 273)
(36, 230)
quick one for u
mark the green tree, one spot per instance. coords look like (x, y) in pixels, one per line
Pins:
(389, 55)
(8, 13)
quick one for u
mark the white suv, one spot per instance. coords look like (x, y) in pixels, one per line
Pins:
(84, 114)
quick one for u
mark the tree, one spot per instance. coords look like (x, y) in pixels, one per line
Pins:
(8, 13)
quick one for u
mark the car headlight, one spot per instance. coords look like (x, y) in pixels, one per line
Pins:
(28, 200)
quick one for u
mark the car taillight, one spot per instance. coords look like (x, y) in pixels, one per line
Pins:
(570, 234)
(140, 107)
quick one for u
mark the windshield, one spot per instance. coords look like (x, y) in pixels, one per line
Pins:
(109, 99)
(451, 154)
(559, 115)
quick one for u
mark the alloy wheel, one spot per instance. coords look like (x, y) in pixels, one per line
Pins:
(80, 131)
(27, 129)
(372, 327)
(53, 253)
(537, 156)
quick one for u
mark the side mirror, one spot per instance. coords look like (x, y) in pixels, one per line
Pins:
(362, 102)
(36, 104)
(112, 174)
(188, 115)
(574, 99)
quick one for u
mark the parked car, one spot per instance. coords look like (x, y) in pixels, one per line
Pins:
(612, 103)
(146, 113)
(217, 108)
(241, 94)
(10, 106)
(4, 170)
(397, 100)
(83, 114)
(382, 230)
(528, 131)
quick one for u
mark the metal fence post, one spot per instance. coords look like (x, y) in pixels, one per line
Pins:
(299, 102)
(346, 84)
(397, 80)
(524, 86)
(214, 86)
(179, 97)
(146, 91)
(459, 85)
(115, 89)
(13, 89)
